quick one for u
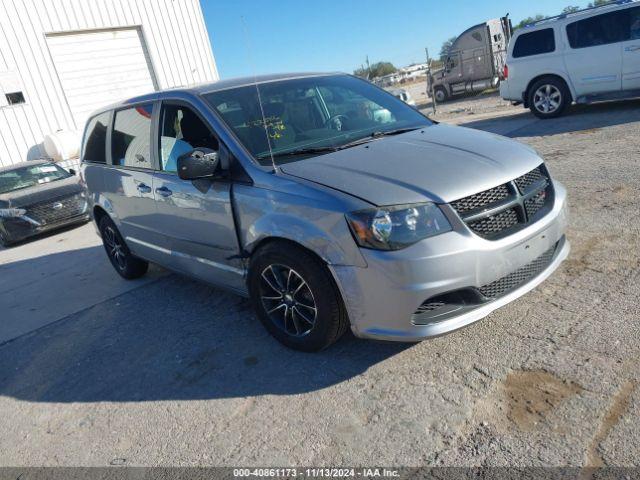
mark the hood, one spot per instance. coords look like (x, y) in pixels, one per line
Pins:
(41, 193)
(442, 164)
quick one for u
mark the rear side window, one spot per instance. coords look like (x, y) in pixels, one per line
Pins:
(602, 29)
(94, 149)
(131, 137)
(535, 43)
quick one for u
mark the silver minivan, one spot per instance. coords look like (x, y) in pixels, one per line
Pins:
(327, 201)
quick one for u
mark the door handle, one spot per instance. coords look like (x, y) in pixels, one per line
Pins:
(632, 48)
(143, 188)
(164, 191)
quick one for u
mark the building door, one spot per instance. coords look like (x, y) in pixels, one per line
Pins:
(100, 67)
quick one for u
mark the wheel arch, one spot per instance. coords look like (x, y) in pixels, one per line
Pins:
(267, 241)
(331, 242)
(559, 76)
(99, 213)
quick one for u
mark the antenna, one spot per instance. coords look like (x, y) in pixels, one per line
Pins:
(255, 82)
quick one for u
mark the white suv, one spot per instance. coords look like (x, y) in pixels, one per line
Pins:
(588, 56)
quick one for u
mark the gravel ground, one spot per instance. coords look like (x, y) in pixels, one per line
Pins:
(173, 372)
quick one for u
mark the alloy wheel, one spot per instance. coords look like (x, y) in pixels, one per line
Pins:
(115, 249)
(547, 99)
(288, 300)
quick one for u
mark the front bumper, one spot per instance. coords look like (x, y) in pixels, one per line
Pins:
(382, 298)
(20, 228)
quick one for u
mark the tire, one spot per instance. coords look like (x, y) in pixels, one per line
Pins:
(127, 265)
(549, 97)
(441, 94)
(4, 242)
(306, 311)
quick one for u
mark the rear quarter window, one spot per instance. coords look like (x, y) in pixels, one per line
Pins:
(535, 43)
(603, 29)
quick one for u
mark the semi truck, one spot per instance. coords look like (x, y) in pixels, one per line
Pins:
(475, 62)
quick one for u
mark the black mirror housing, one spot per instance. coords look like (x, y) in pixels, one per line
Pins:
(199, 163)
(72, 171)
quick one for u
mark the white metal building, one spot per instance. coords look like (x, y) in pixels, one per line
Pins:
(62, 59)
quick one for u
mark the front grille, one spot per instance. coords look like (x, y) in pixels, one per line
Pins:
(490, 226)
(482, 199)
(528, 179)
(518, 278)
(502, 210)
(536, 203)
(53, 211)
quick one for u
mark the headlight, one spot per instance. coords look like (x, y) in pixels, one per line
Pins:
(394, 228)
(12, 212)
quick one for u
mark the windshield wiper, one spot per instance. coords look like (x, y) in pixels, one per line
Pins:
(329, 149)
(374, 135)
(299, 151)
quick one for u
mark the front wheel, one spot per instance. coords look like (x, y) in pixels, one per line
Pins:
(127, 265)
(549, 98)
(296, 298)
(441, 95)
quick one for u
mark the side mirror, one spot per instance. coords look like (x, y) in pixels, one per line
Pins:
(199, 163)
(72, 171)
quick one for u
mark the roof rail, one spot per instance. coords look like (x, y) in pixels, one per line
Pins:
(577, 12)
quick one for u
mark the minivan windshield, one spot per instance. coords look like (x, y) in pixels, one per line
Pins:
(310, 116)
(26, 177)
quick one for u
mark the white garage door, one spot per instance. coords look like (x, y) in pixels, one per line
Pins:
(100, 67)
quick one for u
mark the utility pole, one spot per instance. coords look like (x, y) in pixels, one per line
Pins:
(368, 68)
(430, 82)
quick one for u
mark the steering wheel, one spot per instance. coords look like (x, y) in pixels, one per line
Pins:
(336, 122)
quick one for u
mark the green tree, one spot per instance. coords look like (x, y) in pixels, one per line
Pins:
(528, 20)
(446, 46)
(597, 3)
(379, 69)
(570, 9)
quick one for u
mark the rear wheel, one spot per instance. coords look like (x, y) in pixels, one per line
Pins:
(549, 97)
(127, 265)
(295, 297)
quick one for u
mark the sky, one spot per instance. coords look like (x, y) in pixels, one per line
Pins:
(270, 36)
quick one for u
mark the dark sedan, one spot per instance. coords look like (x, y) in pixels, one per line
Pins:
(38, 196)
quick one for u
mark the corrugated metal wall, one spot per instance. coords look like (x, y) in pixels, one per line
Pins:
(173, 30)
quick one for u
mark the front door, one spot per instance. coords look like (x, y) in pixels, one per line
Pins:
(594, 59)
(196, 217)
(631, 53)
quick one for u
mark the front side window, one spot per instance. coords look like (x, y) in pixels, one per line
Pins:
(94, 147)
(31, 176)
(310, 113)
(602, 29)
(535, 43)
(131, 136)
(182, 131)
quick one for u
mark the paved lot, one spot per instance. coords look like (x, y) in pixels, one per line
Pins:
(168, 371)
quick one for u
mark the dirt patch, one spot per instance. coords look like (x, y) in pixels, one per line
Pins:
(619, 405)
(531, 396)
